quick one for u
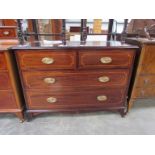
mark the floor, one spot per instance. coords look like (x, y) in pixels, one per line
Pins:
(140, 120)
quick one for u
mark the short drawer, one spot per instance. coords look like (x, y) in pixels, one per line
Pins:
(8, 33)
(7, 100)
(96, 98)
(42, 59)
(106, 59)
(2, 61)
(5, 83)
(146, 80)
(55, 80)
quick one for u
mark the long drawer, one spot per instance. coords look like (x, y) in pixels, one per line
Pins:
(144, 92)
(105, 59)
(47, 59)
(2, 61)
(7, 100)
(145, 80)
(56, 80)
(96, 98)
(5, 83)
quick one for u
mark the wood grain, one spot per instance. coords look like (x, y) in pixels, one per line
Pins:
(91, 59)
(12, 33)
(5, 83)
(74, 80)
(10, 22)
(144, 79)
(2, 61)
(38, 100)
(62, 59)
(144, 92)
(7, 100)
(76, 74)
(147, 65)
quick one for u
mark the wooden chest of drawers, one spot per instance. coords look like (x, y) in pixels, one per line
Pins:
(144, 81)
(10, 95)
(75, 79)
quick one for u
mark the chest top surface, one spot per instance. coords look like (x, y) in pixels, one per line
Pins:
(140, 41)
(74, 45)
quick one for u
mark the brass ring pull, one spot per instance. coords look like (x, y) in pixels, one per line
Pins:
(106, 60)
(49, 80)
(47, 60)
(51, 100)
(104, 79)
(6, 33)
(102, 98)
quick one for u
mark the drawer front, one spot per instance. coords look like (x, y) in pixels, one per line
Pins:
(75, 80)
(144, 92)
(7, 100)
(7, 33)
(147, 60)
(96, 98)
(146, 80)
(2, 61)
(105, 59)
(47, 59)
(5, 83)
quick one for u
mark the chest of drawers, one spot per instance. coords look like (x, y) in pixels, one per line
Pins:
(10, 94)
(144, 81)
(75, 79)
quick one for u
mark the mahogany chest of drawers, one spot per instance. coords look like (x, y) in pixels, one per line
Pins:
(144, 81)
(10, 94)
(73, 78)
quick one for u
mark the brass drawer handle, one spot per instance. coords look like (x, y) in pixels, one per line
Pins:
(102, 98)
(6, 33)
(47, 60)
(106, 60)
(49, 80)
(51, 100)
(104, 79)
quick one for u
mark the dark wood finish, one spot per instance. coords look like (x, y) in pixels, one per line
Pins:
(76, 74)
(8, 32)
(76, 45)
(62, 59)
(66, 80)
(37, 100)
(110, 26)
(75, 29)
(91, 59)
